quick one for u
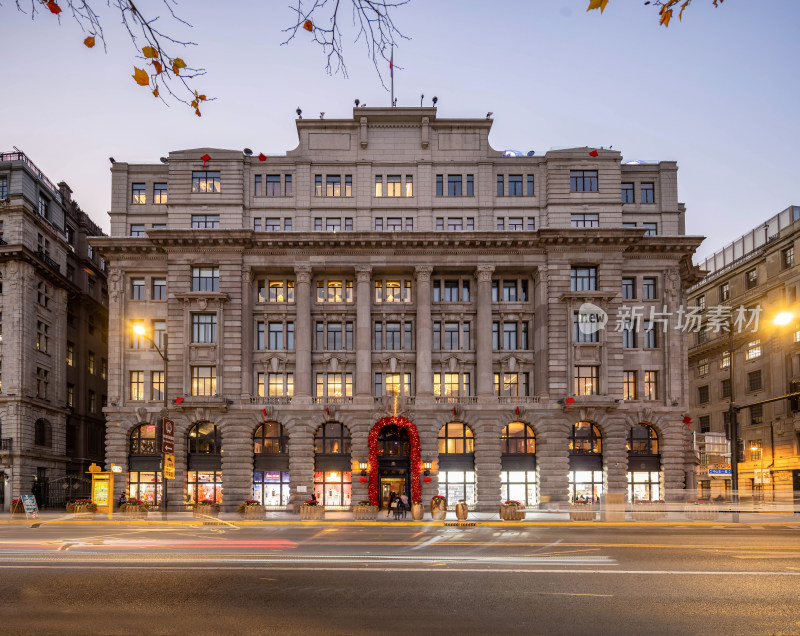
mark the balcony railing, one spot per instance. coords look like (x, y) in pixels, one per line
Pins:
(333, 400)
(456, 399)
(270, 399)
(49, 261)
(21, 156)
(520, 399)
(6, 443)
(388, 400)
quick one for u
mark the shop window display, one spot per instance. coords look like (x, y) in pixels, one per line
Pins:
(519, 485)
(333, 488)
(204, 486)
(458, 484)
(585, 485)
(271, 488)
(644, 485)
(145, 487)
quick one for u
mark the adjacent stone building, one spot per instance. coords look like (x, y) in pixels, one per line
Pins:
(53, 316)
(756, 276)
(394, 292)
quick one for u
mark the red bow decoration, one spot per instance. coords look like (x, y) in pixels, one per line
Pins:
(687, 420)
(178, 400)
(594, 153)
(206, 157)
(262, 157)
(264, 411)
(569, 400)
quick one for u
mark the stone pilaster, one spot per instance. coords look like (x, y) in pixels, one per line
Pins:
(364, 331)
(483, 336)
(615, 456)
(301, 464)
(424, 333)
(237, 459)
(302, 370)
(673, 437)
(487, 464)
(552, 459)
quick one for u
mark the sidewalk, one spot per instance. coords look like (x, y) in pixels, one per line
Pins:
(533, 518)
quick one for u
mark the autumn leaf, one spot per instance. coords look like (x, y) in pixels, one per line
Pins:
(54, 8)
(141, 77)
(202, 98)
(177, 65)
(149, 51)
(158, 67)
(597, 4)
(155, 92)
(198, 113)
(666, 17)
(89, 41)
(309, 26)
(194, 104)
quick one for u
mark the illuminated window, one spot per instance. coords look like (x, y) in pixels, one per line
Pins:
(456, 437)
(204, 381)
(205, 181)
(136, 385)
(138, 193)
(629, 385)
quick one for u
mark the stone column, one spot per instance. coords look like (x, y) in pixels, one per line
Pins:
(237, 460)
(303, 334)
(615, 457)
(552, 459)
(483, 335)
(674, 442)
(488, 464)
(364, 332)
(301, 463)
(424, 333)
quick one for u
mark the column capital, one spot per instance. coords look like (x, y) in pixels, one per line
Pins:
(484, 273)
(363, 273)
(303, 272)
(423, 272)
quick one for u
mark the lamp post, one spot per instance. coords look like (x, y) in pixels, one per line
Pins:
(140, 331)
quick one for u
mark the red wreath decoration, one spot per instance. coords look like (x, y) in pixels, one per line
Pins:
(416, 462)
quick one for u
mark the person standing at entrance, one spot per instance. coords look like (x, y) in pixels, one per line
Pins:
(404, 504)
(392, 497)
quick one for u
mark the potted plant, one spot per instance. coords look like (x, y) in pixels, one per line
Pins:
(512, 510)
(438, 507)
(365, 511)
(417, 510)
(581, 510)
(311, 510)
(461, 510)
(647, 510)
(134, 509)
(205, 509)
(17, 508)
(83, 507)
(251, 509)
(700, 510)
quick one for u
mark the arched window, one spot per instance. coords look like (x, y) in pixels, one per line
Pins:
(42, 433)
(393, 441)
(332, 438)
(642, 440)
(269, 439)
(144, 440)
(585, 439)
(517, 438)
(204, 439)
(456, 437)
(518, 475)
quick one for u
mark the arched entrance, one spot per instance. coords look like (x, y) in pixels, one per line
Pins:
(394, 457)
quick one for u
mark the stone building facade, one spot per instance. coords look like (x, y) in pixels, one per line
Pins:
(756, 275)
(54, 313)
(395, 292)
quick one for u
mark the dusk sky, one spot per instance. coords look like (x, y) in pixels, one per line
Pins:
(717, 92)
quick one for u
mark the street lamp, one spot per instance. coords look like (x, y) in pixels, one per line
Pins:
(140, 331)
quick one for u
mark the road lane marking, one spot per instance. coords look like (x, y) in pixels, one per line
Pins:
(572, 594)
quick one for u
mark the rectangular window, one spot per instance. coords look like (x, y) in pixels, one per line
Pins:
(531, 224)
(583, 327)
(650, 335)
(756, 415)
(318, 185)
(725, 388)
(204, 381)
(137, 230)
(500, 185)
(629, 385)
(651, 385)
(160, 193)
(275, 336)
(470, 185)
(393, 185)
(585, 220)
(157, 386)
(628, 335)
(439, 185)
(439, 224)
(583, 180)
(70, 354)
(501, 224)
(450, 384)
(204, 328)
(627, 192)
(394, 224)
(334, 336)
(705, 423)
(702, 366)
(454, 185)
(437, 335)
(583, 278)
(651, 229)
(258, 186)
(649, 289)
(648, 193)
(379, 225)
(333, 225)
(378, 185)
(455, 225)
(754, 382)
(586, 380)
(515, 185)
(159, 289)
(333, 185)
(159, 333)
(702, 394)
(511, 384)
(287, 187)
(70, 395)
(42, 336)
(509, 336)
(42, 207)
(751, 278)
(530, 185)
(137, 289)
(756, 450)
(628, 288)
(515, 224)
(724, 292)
(204, 181)
(138, 193)
(3, 189)
(451, 330)
(205, 221)
(348, 185)
(753, 350)
(787, 256)
(205, 279)
(136, 385)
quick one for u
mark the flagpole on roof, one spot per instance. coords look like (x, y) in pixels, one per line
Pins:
(391, 72)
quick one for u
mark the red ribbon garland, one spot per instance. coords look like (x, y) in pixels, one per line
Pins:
(416, 461)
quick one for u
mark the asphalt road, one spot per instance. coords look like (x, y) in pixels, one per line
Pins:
(314, 579)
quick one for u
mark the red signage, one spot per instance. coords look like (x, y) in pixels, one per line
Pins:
(168, 444)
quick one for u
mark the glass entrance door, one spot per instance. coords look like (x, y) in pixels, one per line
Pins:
(388, 486)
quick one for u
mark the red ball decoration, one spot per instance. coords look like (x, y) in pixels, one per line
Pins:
(428, 479)
(416, 461)
(363, 480)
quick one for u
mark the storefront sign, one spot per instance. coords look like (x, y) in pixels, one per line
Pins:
(31, 509)
(169, 466)
(168, 441)
(761, 476)
(720, 471)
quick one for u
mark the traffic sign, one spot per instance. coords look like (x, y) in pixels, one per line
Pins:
(168, 436)
(719, 471)
(169, 466)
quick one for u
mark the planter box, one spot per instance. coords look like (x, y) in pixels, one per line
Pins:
(701, 512)
(438, 509)
(365, 513)
(649, 512)
(312, 513)
(134, 514)
(512, 513)
(206, 511)
(582, 513)
(462, 511)
(253, 512)
(417, 511)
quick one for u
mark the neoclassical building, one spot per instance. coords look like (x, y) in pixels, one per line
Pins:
(396, 306)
